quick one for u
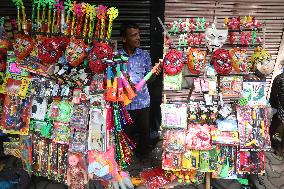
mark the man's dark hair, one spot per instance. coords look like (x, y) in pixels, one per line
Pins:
(127, 25)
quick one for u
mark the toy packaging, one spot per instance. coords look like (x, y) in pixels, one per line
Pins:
(174, 115)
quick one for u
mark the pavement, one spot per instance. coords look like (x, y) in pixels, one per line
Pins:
(273, 179)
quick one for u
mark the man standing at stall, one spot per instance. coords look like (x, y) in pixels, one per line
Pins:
(139, 64)
(277, 103)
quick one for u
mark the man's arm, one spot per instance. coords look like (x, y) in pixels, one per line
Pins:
(156, 71)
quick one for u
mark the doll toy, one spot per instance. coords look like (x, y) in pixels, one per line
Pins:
(76, 174)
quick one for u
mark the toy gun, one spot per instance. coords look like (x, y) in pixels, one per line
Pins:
(141, 84)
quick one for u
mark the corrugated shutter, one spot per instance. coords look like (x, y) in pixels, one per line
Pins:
(135, 10)
(269, 12)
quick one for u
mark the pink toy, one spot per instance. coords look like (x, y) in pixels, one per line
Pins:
(76, 174)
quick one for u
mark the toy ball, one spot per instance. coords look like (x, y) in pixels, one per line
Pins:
(239, 60)
(173, 62)
(221, 61)
(262, 62)
(195, 61)
(243, 101)
(99, 53)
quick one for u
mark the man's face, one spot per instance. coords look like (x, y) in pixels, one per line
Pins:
(132, 38)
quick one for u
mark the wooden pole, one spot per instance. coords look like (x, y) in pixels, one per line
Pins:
(207, 180)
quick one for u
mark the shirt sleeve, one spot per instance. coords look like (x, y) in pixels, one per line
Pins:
(148, 63)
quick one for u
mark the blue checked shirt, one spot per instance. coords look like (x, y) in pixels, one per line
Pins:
(139, 64)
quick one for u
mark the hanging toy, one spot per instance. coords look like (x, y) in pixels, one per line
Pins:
(79, 12)
(120, 93)
(245, 38)
(98, 55)
(88, 14)
(214, 38)
(262, 62)
(59, 8)
(173, 62)
(50, 3)
(43, 21)
(195, 60)
(140, 85)
(221, 61)
(100, 28)
(51, 49)
(92, 15)
(19, 4)
(75, 52)
(23, 46)
(239, 60)
(111, 89)
(113, 13)
(130, 94)
(74, 10)
(232, 38)
(68, 8)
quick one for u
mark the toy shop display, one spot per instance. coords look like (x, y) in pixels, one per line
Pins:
(64, 91)
(227, 124)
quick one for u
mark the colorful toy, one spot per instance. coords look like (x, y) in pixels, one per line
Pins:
(262, 62)
(76, 174)
(214, 38)
(173, 62)
(239, 60)
(195, 61)
(221, 61)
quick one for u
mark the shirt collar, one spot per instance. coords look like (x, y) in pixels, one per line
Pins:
(136, 52)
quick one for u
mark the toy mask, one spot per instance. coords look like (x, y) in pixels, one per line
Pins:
(220, 60)
(195, 61)
(262, 61)
(99, 53)
(239, 60)
(214, 38)
(173, 62)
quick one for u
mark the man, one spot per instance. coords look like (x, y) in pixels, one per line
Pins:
(139, 64)
(277, 103)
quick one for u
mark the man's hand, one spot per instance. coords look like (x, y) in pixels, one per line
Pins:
(158, 67)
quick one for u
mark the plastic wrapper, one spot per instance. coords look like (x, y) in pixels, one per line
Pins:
(174, 115)
(231, 86)
(78, 141)
(198, 137)
(251, 162)
(102, 164)
(39, 108)
(255, 93)
(155, 178)
(26, 146)
(253, 127)
(171, 160)
(226, 162)
(190, 159)
(61, 133)
(97, 139)
(16, 115)
(174, 140)
(79, 118)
